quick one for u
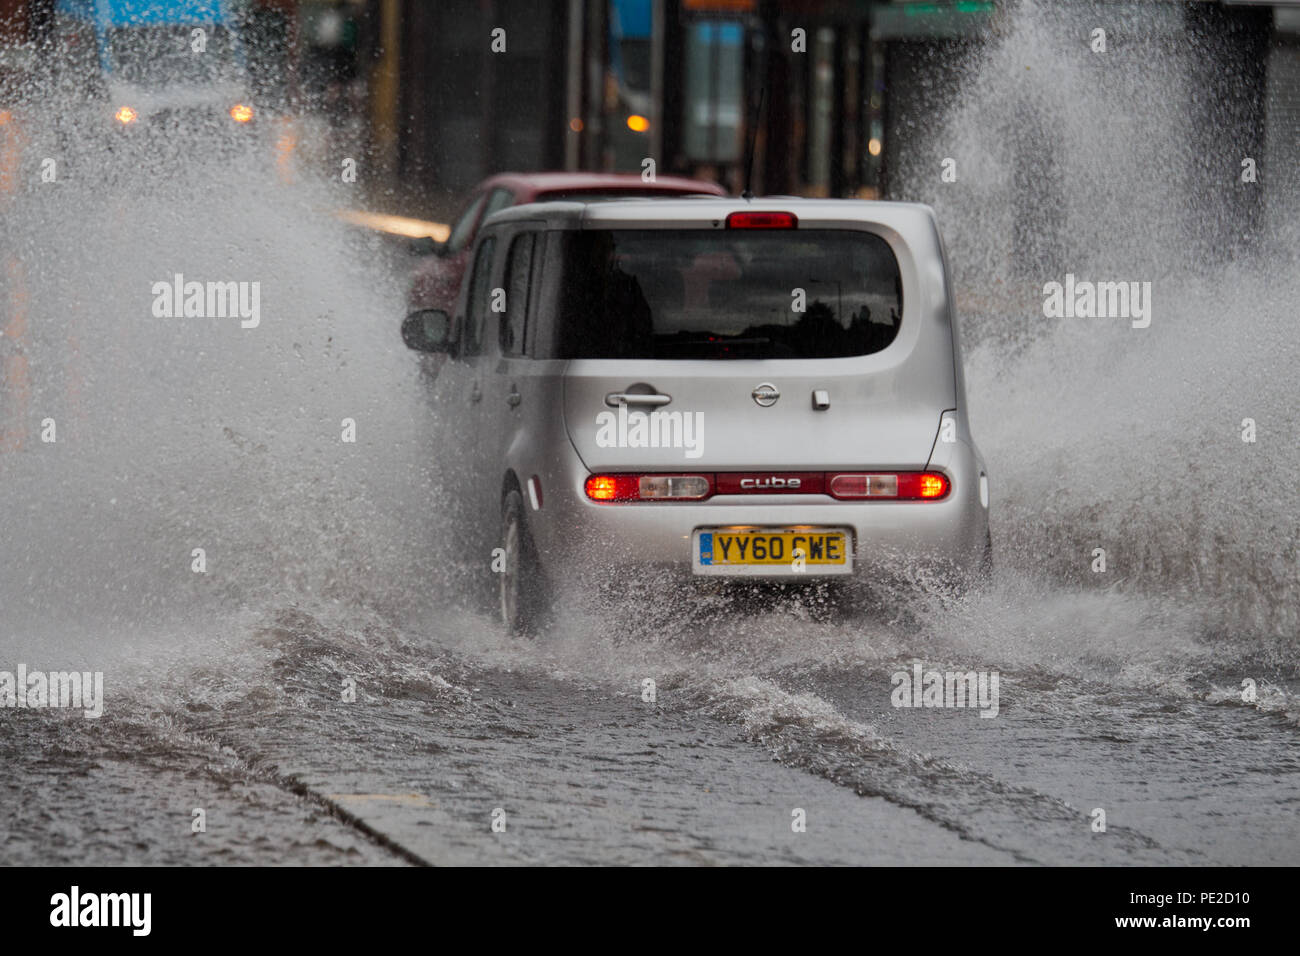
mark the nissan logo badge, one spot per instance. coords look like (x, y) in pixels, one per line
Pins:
(766, 394)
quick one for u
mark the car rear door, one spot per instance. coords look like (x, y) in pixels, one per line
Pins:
(514, 385)
(459, 399)
(752, 399)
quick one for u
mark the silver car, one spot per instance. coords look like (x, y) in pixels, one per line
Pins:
(761, 389)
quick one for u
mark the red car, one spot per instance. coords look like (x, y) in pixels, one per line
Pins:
(437, 279)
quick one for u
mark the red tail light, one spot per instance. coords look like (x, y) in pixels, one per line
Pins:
(612, 487)
(904, 486)
(762, 220)
(649, 487)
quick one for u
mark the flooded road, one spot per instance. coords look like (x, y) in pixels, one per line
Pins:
(452, 728)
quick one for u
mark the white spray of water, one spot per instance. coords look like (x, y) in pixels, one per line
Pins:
(181, 433)
(1100, 435)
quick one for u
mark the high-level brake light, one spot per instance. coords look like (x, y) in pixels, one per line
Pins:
(762, 220)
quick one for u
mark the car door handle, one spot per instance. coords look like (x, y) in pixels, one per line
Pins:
(475, 393)
(514, 398)
(615, 399)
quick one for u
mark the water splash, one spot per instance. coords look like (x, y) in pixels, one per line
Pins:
(1098, 434)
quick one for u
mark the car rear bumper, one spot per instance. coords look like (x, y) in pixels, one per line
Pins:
(573, 532)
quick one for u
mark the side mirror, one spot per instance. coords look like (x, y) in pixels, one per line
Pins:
(428, 330)
(426, 246)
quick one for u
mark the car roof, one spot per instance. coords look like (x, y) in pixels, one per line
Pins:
(689, 211)
(544, 182)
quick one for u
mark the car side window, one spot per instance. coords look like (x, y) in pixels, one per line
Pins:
(498, 199)
(479, 294)
(542, 332)
(519, 273)
(463, 229)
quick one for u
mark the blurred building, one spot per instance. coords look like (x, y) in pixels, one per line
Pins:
(831, 97)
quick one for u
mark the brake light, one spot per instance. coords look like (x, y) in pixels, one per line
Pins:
(610, 487)
(907, 486)
(648, 487)
(762, 220)
(932, 486)
(125, 115)
(241, 113)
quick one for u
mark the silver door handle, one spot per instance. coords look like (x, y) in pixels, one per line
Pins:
(615, 399)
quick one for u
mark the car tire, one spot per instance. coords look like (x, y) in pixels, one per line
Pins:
(520, 586)
(980, 576)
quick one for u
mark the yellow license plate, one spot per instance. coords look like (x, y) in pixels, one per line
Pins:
(773, 550)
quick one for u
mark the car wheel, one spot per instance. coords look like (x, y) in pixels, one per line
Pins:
(980, 576)
(961, 581)
(520, 583)
(986, 562)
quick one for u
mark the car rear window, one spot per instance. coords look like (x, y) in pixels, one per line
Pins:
(724, 294)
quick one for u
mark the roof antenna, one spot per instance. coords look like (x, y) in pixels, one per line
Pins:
(748, 192)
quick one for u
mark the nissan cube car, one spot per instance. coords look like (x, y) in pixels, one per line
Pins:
(758, 389)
